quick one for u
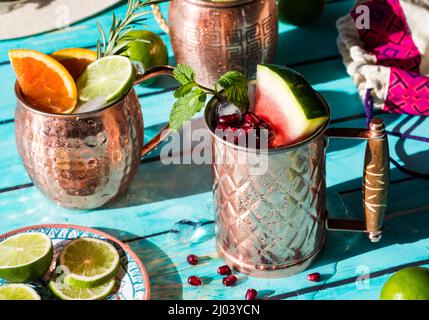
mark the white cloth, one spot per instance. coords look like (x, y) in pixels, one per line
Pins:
(362, 65)
(21, 18)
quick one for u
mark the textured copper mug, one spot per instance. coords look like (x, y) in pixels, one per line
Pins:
(87, 160)
(214, 37)
(274, 224)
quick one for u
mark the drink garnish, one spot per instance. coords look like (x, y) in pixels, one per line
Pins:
(18, 291)
(44, 82)
(89, 262)
(116, 42)
(75, 60)
(110, 77)
(25, 257)
(191, 96)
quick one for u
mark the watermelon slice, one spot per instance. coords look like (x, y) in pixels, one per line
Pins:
(286, 100)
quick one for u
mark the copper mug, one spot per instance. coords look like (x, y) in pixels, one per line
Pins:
(214, 37)
(87, 160)
(274, 224)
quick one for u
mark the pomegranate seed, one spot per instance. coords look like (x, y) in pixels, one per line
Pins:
(229, 281)
(222, 126)
(314, 277)
(247, 126)
(224, 270)
(251, 294)
(230, 119)
(194, 281)
(192, 259)
(250, 117)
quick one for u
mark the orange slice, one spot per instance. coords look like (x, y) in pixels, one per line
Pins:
(75, 59)
(45, 83)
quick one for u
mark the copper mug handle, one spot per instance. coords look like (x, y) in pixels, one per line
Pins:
(165, 131)
(160, 18)
(375, 180)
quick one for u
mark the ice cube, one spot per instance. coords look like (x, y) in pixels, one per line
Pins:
(226, 108)
(138, 67)
(92, 105)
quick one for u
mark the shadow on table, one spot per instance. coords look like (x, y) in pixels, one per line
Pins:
(294, 42)
(157, 181)
(165, 281)
(406, 221)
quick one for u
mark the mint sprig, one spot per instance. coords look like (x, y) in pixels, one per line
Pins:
(191, 96)
(234, 84)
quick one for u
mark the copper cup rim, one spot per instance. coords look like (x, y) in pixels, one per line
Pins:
(19, 96)
(321, 131)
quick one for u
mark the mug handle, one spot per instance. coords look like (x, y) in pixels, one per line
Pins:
(160, 18)
(165, 131)
(375, 180)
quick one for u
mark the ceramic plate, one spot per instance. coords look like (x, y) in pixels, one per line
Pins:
(132, 279)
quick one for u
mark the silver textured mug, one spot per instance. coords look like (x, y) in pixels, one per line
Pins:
(87, 160)
(274, 224)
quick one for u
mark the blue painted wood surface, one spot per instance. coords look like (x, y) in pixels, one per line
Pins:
(164, 199)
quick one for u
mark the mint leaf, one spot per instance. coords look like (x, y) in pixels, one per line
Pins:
(186, 107)
(184, 89)
(235, 85)
(184, 74)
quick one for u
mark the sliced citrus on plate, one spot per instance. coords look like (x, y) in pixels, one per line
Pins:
(25, 256)
(64, 291)
(89, 262)
(45, 83)
(110, 77)
(75, 60)
(16, 291)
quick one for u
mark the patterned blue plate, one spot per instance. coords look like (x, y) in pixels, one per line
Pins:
(132, 281)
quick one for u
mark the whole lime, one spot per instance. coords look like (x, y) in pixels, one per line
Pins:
(407, 284)
(300, 12)
(150, 52)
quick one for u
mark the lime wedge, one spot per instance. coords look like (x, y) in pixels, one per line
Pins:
(89, 262)
(111, 77)
(25, 257)
(65, 291)
(18, 292)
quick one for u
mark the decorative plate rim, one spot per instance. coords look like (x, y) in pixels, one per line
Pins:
(123, 245)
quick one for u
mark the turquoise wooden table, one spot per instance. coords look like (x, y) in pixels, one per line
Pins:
(167, 213)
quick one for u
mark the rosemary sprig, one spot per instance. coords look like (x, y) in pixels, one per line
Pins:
(121, 27)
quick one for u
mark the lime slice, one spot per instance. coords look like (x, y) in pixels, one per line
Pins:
(25, 257)
(111, 77)
(18, 292)
(65, 291)
(89, 262)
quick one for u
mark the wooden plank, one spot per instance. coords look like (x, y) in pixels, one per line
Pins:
(346, 257)
(314, 41)
(337, 87)
(344, 158)
(158, 187)
(404, 240)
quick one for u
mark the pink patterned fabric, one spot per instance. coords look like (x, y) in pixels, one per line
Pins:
(389, 39)
(408, 93)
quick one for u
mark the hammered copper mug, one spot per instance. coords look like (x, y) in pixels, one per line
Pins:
(274, 223)
(87, 160)
(214, 37)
